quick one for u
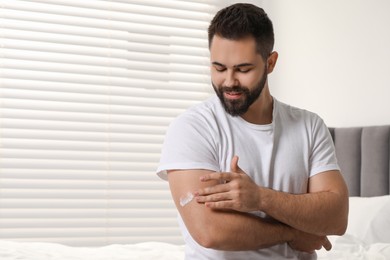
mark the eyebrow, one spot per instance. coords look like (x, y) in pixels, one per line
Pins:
(235, 66)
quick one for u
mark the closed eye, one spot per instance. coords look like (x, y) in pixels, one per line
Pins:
(244, 67)
(242, 70)
(219, 68)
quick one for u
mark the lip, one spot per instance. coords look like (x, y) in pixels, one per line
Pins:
(232, 95)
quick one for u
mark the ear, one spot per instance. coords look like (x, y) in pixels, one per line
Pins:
(271, 61)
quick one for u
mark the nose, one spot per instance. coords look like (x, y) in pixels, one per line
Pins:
(230, 79)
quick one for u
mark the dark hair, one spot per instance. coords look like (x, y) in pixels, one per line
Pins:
(242, 20)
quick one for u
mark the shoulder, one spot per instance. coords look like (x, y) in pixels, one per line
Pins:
(294, 115)
(200, 116)
(207, 108)
(301, 122)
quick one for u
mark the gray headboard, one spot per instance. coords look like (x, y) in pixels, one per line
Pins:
(364, 158)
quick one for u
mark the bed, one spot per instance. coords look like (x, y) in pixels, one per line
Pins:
(363, 154)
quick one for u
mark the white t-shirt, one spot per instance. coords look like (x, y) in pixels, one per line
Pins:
(282, 156)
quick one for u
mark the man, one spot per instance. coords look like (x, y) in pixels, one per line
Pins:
(252, 178)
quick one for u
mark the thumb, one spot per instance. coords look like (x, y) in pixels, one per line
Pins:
(234, 165)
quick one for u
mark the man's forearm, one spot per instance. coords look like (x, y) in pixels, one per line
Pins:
(321, 213)
(323, 210)
(233, 231)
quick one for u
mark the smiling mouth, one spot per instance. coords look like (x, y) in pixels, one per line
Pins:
(233, 95)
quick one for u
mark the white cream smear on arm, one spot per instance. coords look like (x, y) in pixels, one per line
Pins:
(186, 199)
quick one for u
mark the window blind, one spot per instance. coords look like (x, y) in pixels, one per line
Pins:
(87, 90)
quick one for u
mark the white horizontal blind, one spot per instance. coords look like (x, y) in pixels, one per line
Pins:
(87, 90)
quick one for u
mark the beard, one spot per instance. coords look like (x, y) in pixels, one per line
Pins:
(238, 107)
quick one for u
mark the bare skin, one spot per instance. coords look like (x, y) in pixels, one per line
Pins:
(232, 230)
(322, 211)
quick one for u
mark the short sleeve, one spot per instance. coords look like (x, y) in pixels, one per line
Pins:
(188, 144)
(323, 156)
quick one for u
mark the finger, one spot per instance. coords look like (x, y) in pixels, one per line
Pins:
(327, 245)
(234, 164)
(219, 205)
(222, 177)
(219, 197)
(212, 190)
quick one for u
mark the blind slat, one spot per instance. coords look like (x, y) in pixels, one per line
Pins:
(99, 9)
(30, 203)
(81, 126)
(164, 90)
(89, 174)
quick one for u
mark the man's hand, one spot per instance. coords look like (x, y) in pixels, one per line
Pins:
(237, 190)
(308, 243)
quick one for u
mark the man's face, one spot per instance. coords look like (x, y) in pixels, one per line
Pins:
(238, 73)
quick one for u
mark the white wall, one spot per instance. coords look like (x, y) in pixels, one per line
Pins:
(334, 58)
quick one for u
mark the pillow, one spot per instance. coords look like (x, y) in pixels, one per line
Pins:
(369, 219)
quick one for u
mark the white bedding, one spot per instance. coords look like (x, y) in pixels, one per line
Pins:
(367, 237)
(349, 247)
(44, 251)
(344, 248)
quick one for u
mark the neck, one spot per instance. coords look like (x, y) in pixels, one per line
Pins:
(261, 110)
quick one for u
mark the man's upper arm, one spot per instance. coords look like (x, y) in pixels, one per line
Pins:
(328, 181)
(332, 182)
(194, 215)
